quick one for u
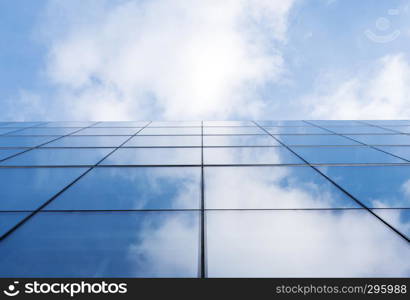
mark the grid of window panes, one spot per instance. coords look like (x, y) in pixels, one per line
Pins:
(205, 199)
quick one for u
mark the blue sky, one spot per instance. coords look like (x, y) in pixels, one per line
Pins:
(130, 60)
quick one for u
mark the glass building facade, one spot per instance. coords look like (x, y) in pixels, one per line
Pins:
(205, 199)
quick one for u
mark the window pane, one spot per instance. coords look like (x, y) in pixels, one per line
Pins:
(374, 186)
(135, 188)
(397, 218)
(89, 141)
(24, 141)
(175, 124)
(9, 219)
(170, 131)
(116, 244)
(336, 123)
(108, 131)
(58, 157)
(23, 124)
(348, 155)
(254, 155)
(392, 139)
(233, 130)
(271, 188)
(240, 140)
(28, 188)
(358, 129)
(154, 156)
(46, 131)
(388, 122)
(296, 130)
(316, 140)
(229, 123)
(282, 123)
(8, 130)
(122, 124)
(162, 141)
(4, 153)
(67, 124)
(400, 129)
(403, 152)
(303, 244)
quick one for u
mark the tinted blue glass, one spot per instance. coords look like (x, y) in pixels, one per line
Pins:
(309, 243)
(46, 131)
(401, 151)
(399, 129)
(122, 124)
(247, 155)
(240, 140)
(336, 123)
(228, 123)
(154, 156)
(282, 123)
(28, 188)
(348, 155)
(67, 124)
(357, 129)
(116, 244)
(161, 141)
(388, 122)
(170, 131)
(23, 124)
(58, 157)
(296, 130)
(374, 186)
(135, 188)
(89, 141)
(271, 188)
(9, 219)
(4, 153)
(392, 139)
(108, 131)
(397, 218)
(315, 140)
(8, 130)
(175, 124)
(24, 141)
(233, 130)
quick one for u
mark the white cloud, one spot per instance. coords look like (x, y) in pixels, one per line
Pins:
(379, 91)
(164, 59)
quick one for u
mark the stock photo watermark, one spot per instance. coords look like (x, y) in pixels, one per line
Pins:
(384, 32)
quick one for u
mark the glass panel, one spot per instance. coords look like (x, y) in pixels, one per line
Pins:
(8, 130)
(296, 130)
(58, 157)
(4, 153)
(23, 124)
(122, 124)
(315, 140)
(254, 155)
(309, 243)
(398, 218)
(28, 188)
(162, 141)
(345, 155)
(9, 219)
(46, 131)
(392, 139)
(357, 129)
(336, 123)
(240, 140)
(24, 141)
(89, 141)
(108, 131)
(403, 152)
(282, 123)
(271, 188)
(175, 124)
(233, 130)
(154, 156)
(388, 122)
(115, 244)
(135, 188)
(374, 186)
(68, 124)
(170, 131)
(400, 129)
(229, 123)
